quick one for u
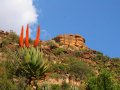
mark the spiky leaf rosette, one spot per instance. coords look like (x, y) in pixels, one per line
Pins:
(32, 61)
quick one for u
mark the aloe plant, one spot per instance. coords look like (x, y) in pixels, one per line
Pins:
(32, 61)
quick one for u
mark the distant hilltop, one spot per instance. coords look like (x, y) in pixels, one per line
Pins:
(74, 40)
(66, 40)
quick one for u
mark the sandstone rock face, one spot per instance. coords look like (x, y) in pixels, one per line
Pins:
(74, 40)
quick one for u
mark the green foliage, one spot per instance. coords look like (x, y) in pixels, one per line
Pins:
(65, 86)
(11, 38)
(55, 87)
(59, 51)
(14, 37)
(92, 84)
(78, 53)
(9, 84)
(101, 57)
(6, 84)
(45, 86)
(74, 88)
(116, 85)
(55, 75)
(60, 43)
(32, 63)
(59, 67)
(7, 81)
(102, 82)
(51, 44)
(5, 41)
(105, 82)
(79, 68)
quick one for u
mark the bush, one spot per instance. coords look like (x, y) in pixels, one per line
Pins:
(65, 86)
(7, 81)
(5, 42)
(74, 88)
(14, 37)
(78, 54)
(79, 69)
(55, 75)
(55, 87)
(58, 67)
(102, 82)
(51, 44)
(59, 51)
(6, 84)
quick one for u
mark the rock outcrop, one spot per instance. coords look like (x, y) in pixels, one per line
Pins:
(74, 40)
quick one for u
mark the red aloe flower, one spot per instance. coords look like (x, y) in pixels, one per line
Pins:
(27, 37)
(21, 37)
(37, 37)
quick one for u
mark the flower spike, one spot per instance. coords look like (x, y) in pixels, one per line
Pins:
(37, 37)
(21, 40)
(27, 37)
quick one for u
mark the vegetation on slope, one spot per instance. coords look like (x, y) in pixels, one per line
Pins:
(68, 69)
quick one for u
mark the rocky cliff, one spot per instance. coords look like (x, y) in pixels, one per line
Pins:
(74, 40)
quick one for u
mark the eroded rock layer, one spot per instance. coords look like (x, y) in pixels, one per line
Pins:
(71, 40)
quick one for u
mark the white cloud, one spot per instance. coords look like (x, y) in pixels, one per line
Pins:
(15, 13)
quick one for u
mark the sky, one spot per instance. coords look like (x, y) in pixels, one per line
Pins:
(98, 21)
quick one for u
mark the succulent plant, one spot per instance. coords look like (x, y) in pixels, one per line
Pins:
(32, 61)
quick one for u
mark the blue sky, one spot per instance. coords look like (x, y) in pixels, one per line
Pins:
(98, 21)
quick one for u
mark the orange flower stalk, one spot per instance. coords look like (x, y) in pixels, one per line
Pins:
(27, 37)
(37, 37)
(21, 40)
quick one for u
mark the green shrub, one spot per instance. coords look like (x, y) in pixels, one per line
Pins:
(59, 67)
(59, 51)
(6, 84)
(79, 69)
(5, 42)
(74, 88)
(78, 54)
(55, 75)
(92, 84)
(51, 44)
(14, 37)
(11, 38)
(65, 86)
(55, 87)
(45, 86)
(102, 82)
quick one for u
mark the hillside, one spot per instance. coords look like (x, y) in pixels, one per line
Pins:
(71, 64)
